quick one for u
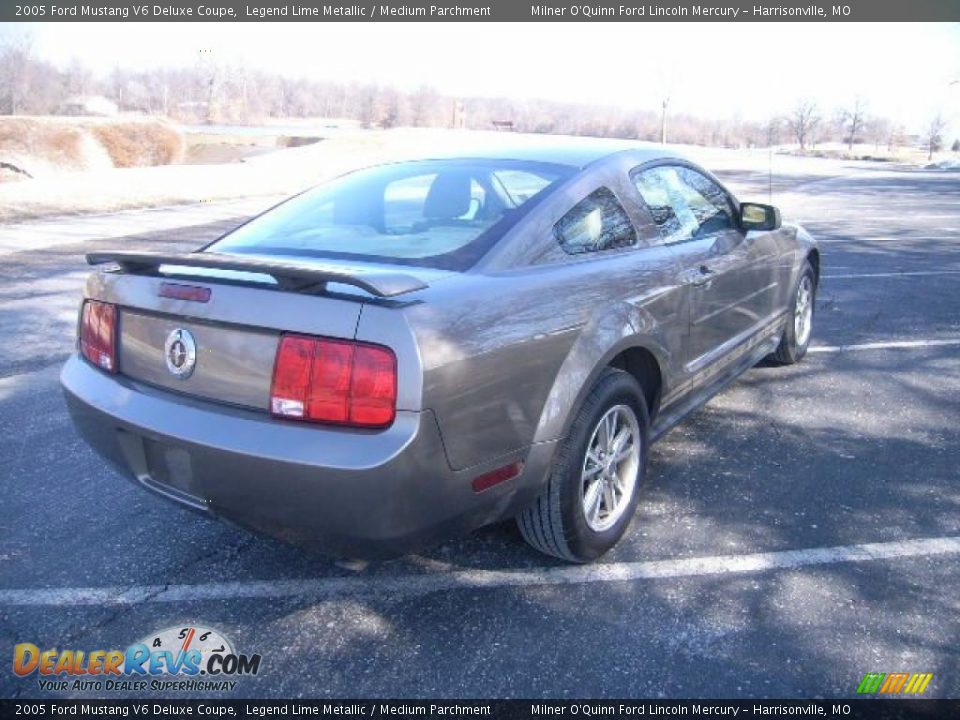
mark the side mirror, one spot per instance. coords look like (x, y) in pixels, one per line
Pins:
(754, 216)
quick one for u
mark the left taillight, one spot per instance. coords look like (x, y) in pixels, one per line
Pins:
(98, 334)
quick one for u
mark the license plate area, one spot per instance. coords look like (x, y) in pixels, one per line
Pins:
(164, 468)
(170, 466)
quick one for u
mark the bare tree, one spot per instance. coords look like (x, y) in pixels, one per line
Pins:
(898, 134)
(877, 131)
(855, 121)
(390, 108)
(834, 127)
(16, 73)
(934, 134)
(772, 130)
(424, 104)
(803, 122)
(78, 80)
(370, 109)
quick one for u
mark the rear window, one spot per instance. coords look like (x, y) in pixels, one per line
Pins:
(443, 214)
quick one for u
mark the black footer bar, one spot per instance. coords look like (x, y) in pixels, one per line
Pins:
(853, 709)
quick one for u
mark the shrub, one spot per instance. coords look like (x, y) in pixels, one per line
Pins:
(37, 146)
(139, 143)
(41, 146)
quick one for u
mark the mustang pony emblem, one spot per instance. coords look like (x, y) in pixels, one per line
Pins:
(180, 352)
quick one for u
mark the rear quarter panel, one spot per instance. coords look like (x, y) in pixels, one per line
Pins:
(507, 358)
(509, 350)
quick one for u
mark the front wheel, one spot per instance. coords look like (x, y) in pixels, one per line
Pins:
(593, 488)
(796, 335)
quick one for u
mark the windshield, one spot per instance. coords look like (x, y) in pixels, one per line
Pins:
(443, 214)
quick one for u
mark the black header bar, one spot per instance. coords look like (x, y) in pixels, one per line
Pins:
(478, 11)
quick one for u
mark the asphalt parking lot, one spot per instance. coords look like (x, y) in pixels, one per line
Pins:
(801, 530)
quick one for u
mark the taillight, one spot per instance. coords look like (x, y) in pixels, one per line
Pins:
(334, 381)
(98, 325)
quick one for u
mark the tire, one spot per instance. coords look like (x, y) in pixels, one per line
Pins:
(795, 340)
(557, 523)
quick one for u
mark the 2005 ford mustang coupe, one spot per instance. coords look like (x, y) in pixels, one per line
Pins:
(415, 350)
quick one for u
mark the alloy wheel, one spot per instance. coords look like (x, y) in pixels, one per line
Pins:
(609, 474)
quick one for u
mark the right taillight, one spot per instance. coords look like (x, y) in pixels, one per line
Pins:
(98, 325)
(334, 381)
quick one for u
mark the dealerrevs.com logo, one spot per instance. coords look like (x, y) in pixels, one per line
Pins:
(178, 658)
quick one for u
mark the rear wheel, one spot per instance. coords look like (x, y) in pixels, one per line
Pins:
(796, 335)
(593, 488)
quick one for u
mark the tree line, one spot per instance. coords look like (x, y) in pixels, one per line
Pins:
(210, 91)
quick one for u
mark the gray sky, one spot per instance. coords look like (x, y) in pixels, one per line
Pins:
(750, 70)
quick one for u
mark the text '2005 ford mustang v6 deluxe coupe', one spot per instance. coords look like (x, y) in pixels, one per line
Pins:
(415, 350)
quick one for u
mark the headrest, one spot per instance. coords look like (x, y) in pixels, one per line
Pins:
(449, 197)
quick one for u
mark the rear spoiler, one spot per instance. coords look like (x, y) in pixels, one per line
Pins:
(295, 278)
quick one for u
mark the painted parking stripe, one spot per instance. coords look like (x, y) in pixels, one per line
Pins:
(912, 273)
(890, 345)
(838, 238)
(421, 584)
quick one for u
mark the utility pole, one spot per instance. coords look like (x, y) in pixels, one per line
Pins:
(458, 119)
(663, 121)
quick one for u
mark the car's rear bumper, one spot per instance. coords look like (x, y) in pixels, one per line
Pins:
(350, 492)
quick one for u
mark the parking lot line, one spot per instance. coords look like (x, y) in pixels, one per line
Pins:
(890, 345)
(421, 584)
(912, 273)
(828, 238)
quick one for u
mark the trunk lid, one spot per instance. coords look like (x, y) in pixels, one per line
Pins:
(230, 363)
(234, 333)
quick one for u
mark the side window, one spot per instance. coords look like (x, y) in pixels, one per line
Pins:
(684, 204)
(598, 222)
(659, 188)
(708, 201)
